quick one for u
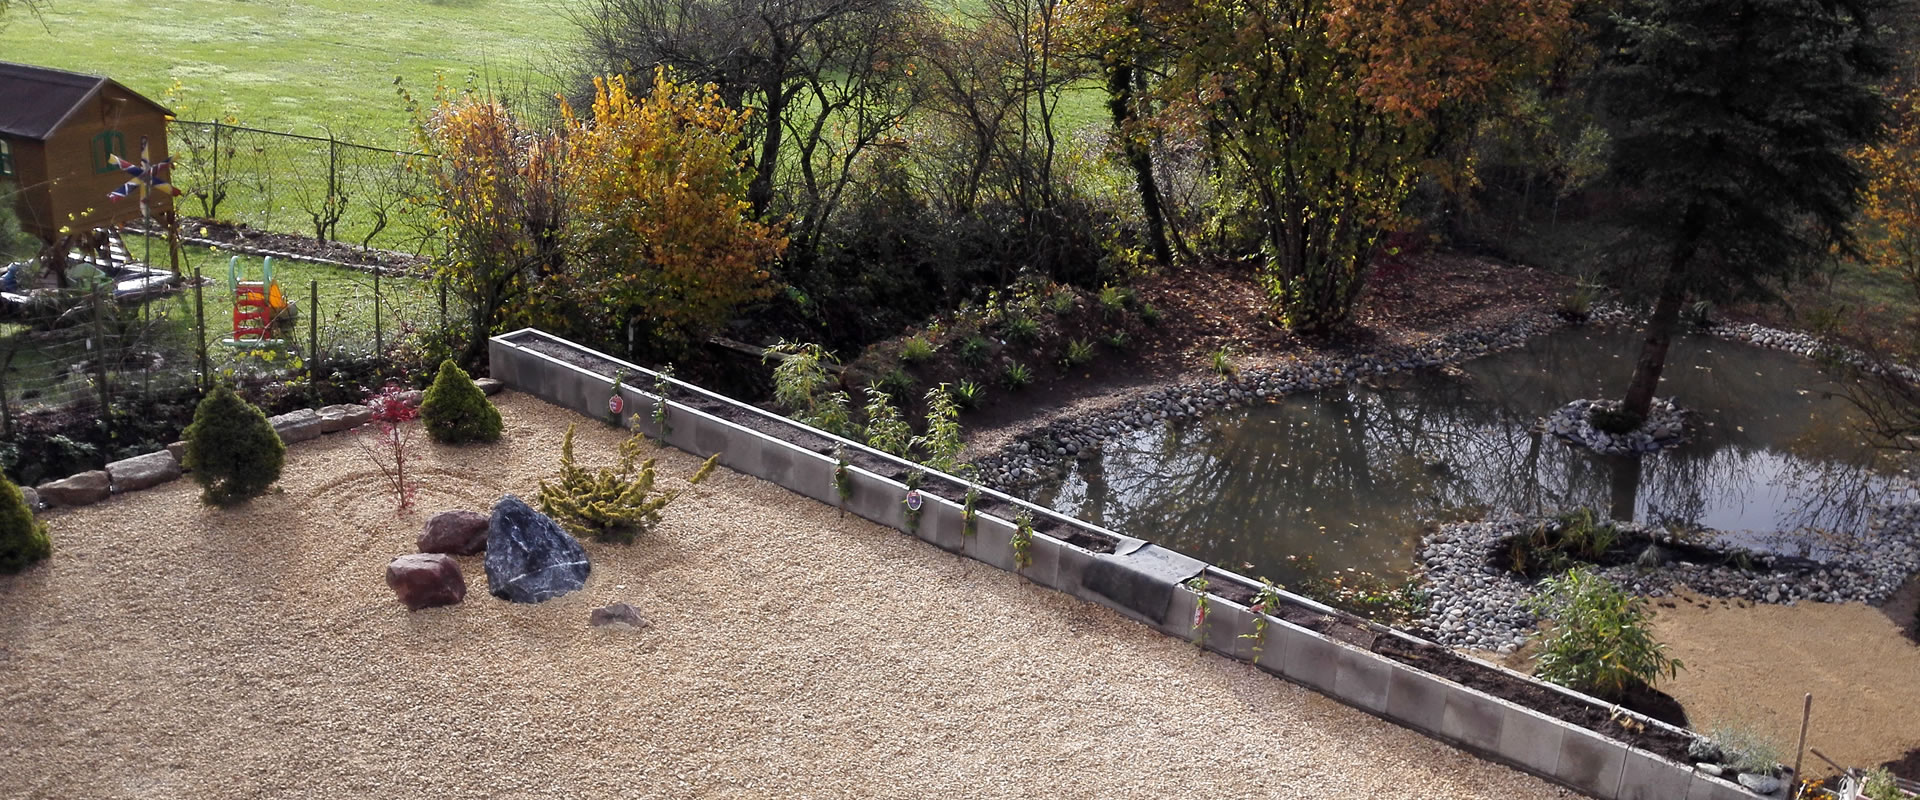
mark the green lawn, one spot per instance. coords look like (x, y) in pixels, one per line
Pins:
(305, 66)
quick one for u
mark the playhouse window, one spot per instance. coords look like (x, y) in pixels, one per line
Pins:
(6, 158)
(106, 145)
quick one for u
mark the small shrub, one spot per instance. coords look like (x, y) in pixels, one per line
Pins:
(1613, 421)
(1223, 364)
(974, 350)
(1023, 540)
(942, 443)
(1061, 302)
(1114, 299)
(611, 505)
(23, 537)
(1119, 340)
(1744, 748)
(1577, 303)
(1880, 786)
(233, 450)
(1078, 352)
(1596, 637)
(455, 411)
(390, 441)
(1022, 329)
(968, 394)
(1017, 375)
(1149, 314)
(895, 381)
(799, 375)
(916, 350)
(887, 430)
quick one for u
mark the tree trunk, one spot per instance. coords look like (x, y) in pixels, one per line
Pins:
(1653, 353)
(1120, 105)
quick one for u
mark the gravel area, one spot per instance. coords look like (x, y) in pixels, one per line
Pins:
(167, 650)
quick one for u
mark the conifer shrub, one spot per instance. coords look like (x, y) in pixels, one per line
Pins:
(456, 411)
(232, 449)
(611, 505)
(23, 538)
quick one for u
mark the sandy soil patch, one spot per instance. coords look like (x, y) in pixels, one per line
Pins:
(1754, 662)
(169, 650)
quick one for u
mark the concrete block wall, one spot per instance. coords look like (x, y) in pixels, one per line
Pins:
(1142, 581)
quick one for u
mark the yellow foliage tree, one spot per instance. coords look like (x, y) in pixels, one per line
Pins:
(663, 240)
(1891, 204)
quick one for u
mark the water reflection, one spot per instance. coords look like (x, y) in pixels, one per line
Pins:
(1349, 475)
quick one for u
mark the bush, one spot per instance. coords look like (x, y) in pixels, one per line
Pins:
(1596, 639)
(611, 505)
(968, 394)
(456, 411)
(887, 429)
(916, 350)
(1061, 302)
(23, 538)
(895, 382)
(974, 350)
(1022, 329)
(1078, 352)
(1742, 747)
(232, 449)
(1149, 314)
(1017, 375)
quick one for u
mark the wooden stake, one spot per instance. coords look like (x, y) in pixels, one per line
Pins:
(1800, 754)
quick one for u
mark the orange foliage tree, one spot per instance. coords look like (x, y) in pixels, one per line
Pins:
(1891, 203)
(665, 245)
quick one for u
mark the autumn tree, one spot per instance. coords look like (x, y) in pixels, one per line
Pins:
(662, 239)
(1733, 123)
(1891, 206)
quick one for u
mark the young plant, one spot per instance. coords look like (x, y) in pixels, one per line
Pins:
(661, 385)
(1149, 314)
(1880, 786)
(1023, 540)
(895, 381)
(455, 411)
(1744, 748)
(1078, 352)
(1223, 364)
(974, 350)
(842, 480)
(887, 430)
(914, 479)
(1022, 329)
(1017, 375)
(916, 350)
(387, 441)
(1266, 601)
(1119, 340)
(941, 445)
(1202, 607)
(797, 381)
(1062, 301)
(969, 516)
(968, 394)
(1114, 299)
(233, 451)
(1597, 637)
(23, 537)
(611, 505)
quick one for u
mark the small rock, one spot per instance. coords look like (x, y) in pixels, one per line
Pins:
(1759, 784)
(334, 419)
(489, 386)
(460, 533)
(425, 580)
(1711, 769)
(142, 472)
(33, 498)
(297, 426)
(618, 616)
(83, 489)
(412, 397)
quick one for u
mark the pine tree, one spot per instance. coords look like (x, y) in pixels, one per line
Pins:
(456, 411)
(1732, 123)
(23, 538)
(233, 450)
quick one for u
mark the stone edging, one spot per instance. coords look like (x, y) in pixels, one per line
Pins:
(162, 466)
(1140, 580)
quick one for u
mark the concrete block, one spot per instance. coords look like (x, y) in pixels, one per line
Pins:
(940, 524)
(776, 463)
(991, 542)
(1230, 630)
(743, 451)
(503, 360)
(1418, 700)
(709, 435)
(1071, 572)
(1646, 776)
(1179, 620)
(1590, 762)
(1362, 679)
(142, 472)
(1270, 649)
(1531, 740)
(297, 426)
(1473, 719)
(1141, 582)
(1308, 659)
(83, 489)
(1044, 554)
(878, 500)
(1702, 786)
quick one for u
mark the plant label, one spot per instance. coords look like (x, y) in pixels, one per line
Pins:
(913, 500)
(616, 404)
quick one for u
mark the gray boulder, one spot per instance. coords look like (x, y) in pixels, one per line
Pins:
(33, 498)
(460, 533)
(143, 472)
(334, 419)
(297, 426)
(529, 558)
(425, 580)
(83, 489)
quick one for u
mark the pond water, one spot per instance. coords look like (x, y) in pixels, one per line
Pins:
(1351, 475)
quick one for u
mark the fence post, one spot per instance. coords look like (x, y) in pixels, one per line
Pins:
(379, 340)
(211, 194)
(333, 185)
(100, 359)
(313, 336)
(200, 325)
(443, 305)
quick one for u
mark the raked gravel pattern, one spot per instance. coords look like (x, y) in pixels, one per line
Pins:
(168, 650)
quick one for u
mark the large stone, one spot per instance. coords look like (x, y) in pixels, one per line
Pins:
(489, 386)
(143, 472)
(33, 498)
(334, 419)
(425, 580)
(83, 489)
(618, 616)
(297, 426)
(460, 533)
(529, 558)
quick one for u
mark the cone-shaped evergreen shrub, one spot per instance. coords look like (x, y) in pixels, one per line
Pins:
(232, 449)
(23, 539)
(456, 411)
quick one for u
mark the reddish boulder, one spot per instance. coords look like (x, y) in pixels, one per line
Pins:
(460, 533)
(425, 580)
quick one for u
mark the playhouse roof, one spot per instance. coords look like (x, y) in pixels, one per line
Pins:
(36, 101)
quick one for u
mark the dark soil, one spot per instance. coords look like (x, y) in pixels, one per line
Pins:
(1907, 766)
(1547, 554)
(239, 235)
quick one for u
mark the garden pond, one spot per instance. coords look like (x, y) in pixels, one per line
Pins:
(1353, 475)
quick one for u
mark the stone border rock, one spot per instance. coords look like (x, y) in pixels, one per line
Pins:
(1140, 580)
(1664, 427)
(162, 466)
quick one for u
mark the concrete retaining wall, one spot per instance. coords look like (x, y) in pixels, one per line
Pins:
(1143, 581)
